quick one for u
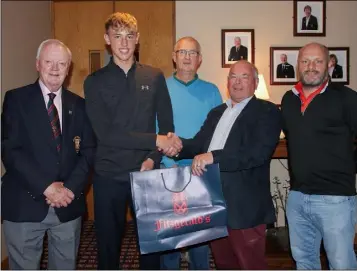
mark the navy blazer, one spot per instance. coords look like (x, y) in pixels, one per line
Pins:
(241, 54)
(312, 25)
(30, 157)
(337, 71)
(287, 72)
(244, 161)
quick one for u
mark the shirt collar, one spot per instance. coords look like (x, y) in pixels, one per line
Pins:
(242, 103)
(46, 91)
(184, 83)
(113, 65)
(297, 89)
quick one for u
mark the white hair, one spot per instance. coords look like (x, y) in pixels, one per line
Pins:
(53, 41)
(189, 38)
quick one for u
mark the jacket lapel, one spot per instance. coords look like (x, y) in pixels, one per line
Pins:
(68, 111)
(246, 110)
(242, 119)
(36, 110)
(214, 122)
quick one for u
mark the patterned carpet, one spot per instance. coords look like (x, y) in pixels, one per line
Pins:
(277, 258)
(87, 258)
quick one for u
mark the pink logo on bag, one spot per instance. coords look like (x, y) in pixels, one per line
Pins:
(179, 202)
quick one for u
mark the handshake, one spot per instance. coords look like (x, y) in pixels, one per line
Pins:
(169, 144)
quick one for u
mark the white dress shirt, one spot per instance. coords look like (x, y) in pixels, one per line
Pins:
(57, 100)
(330, 71)
(225, 124)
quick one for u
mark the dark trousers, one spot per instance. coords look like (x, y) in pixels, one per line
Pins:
(241, 249)
(111, 199)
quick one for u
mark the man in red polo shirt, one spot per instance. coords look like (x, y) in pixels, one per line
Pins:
(320, 123)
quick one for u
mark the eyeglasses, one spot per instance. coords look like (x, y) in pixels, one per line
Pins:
(190, 53)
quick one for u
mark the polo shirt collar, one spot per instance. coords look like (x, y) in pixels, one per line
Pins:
(184, 83)
(298, 87)
(113, 65)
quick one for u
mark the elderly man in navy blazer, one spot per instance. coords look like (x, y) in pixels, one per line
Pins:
(241, 136)
(47, 151)
(285, 69)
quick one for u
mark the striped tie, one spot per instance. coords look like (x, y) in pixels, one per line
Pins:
(55, 122)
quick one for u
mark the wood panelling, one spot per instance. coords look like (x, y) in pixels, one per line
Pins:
(80, 25)
(156, 22)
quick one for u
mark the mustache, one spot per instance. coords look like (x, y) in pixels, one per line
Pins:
(313, 71)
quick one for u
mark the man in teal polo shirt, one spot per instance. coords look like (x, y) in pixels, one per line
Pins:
(192, 98)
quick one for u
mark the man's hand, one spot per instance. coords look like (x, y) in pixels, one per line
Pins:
(170, 144)
(148, 164)
(57, 195)
(199, 163)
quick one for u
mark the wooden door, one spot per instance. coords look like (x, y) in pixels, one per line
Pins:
(80, 25)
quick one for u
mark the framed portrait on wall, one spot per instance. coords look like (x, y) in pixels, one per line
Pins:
(237, 44)
(339, 64)
(283, 63)
(310, 18)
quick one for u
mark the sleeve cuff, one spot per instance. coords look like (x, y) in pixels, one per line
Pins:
(216, 156)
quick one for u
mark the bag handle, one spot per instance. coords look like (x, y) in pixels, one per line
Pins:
(179, 191)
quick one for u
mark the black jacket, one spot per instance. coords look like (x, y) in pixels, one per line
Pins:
(235, 55)
(30, 157)
(244, 161)
(123, 110)
(286, 72)
(337, 72)
(312, 25)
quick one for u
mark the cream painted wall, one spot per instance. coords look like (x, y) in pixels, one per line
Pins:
(272, 22)
(24, 25)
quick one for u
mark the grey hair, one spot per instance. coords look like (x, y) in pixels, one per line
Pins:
(53, 41)
(190, 39)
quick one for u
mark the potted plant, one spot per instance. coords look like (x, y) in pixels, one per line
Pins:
(280, 232)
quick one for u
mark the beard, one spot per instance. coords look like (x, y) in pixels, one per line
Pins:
(314, 82)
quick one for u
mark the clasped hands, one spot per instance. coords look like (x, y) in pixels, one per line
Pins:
(57, 195)
(169, 144)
